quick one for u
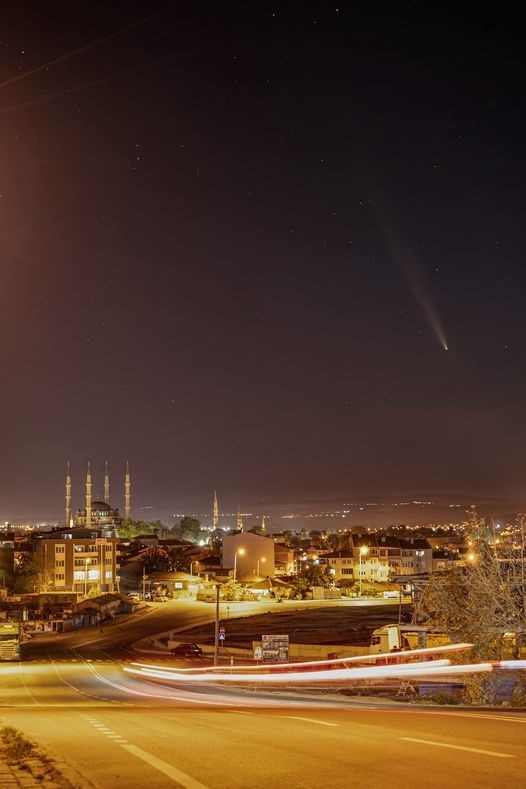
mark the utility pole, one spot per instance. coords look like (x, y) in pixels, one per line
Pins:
(216, 629)
(143, 583)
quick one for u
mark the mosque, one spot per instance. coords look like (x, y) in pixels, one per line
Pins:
(97, 513)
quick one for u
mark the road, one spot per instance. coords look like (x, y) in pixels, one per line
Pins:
(115, 730)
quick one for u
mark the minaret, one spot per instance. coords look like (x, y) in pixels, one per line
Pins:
(88, 496)
(68, 497)
(216, 512)
(263, 527)
(239, 520)
(127, 493)
(107, 484)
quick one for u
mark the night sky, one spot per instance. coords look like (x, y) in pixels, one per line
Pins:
(236, 238)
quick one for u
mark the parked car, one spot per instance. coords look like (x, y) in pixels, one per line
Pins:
(187, 650)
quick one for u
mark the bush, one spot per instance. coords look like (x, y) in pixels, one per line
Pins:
(445, 698)
(15, 746)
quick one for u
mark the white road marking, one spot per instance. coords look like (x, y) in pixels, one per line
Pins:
(494, 717)
(239, 712)
(308, 720)
(172, 772)
(458, 747)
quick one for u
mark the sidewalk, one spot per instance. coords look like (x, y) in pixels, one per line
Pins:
(13, 776)
(24, 763)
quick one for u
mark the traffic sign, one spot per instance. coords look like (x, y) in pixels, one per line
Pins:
(221, 636)
(221, 629)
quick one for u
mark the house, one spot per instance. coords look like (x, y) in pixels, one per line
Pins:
(341, 564)
(178, 584)
(248, 555)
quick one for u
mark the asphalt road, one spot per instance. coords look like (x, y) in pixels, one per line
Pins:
(115, 730)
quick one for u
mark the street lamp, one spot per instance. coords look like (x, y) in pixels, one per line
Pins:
(364, 550)
(87, 561)
(263, 560)
(240, 551)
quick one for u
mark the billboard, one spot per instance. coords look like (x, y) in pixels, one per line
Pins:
(275, 649)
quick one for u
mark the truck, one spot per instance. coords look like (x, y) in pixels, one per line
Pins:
(396, 638)
(10, 641)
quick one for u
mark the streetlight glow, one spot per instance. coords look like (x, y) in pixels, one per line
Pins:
(364, 550)
(241, 552)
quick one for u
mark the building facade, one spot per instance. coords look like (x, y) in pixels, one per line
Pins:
(77, 560)
(249, 554)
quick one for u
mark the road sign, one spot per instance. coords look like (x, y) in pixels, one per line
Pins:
(221, 636)
(275, 649)
(258, 653)
(221, 629)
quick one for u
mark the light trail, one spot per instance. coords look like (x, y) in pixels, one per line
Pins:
(308, 664)
(305, 677)
(402, 670)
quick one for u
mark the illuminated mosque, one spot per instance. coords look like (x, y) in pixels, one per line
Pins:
(98, 513)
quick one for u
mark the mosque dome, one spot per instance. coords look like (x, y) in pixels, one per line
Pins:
(100, 506)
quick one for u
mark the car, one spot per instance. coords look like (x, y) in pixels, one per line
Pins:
(187, 650)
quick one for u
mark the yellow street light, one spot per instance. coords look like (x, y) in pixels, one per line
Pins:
(241, 552)
(364, 550)
(87, 561)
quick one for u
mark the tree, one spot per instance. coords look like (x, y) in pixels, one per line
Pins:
(231, 590)
(313, 575)
(481, 601)
(130, 529)
(31, 575)
(153, 559)
(188, 528)
(179, 560)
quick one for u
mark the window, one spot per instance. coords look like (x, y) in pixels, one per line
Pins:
(60, 548)
(59, 563)
(59, 576)
(78, 575)
(109, 573)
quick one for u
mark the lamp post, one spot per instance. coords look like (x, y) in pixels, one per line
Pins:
(216, 628)
(87, 561)
(263, 560)
(240, 551)
(364, 550)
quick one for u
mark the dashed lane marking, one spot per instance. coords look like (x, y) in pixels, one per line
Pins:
(307, 720)
(178, 776)
(458, 747)
(171, 772)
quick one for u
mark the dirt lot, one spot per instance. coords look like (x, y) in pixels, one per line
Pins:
(333, 625)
